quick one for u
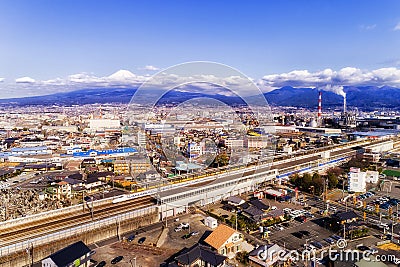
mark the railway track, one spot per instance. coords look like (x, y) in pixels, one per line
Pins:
(44, 227)
(26, 231)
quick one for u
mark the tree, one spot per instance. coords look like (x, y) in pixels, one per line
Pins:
(243, 257)
(306, 181)
(332, 180)
(318, 183)
(222, 159)
(335, 170)
(358, 162)
(294, 179)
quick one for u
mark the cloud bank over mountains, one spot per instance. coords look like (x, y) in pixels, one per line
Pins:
(328, 80)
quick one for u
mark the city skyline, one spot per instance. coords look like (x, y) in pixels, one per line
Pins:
(53, 47)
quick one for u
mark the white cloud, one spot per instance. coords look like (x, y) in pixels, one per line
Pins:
(327, 79)
(397, 27)
(332, 80)
(25, 80)
(368, 27)
(151, 68)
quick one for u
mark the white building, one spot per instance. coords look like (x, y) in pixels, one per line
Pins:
(101, 124)
(141, 139)
(288, 150)
(30, 151)
(357, 180)
(195, 150)
(230, 142)
(372, 177)
(257, 141)
(225, 240)
(211, 222)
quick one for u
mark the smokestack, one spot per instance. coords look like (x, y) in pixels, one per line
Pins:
(319, 105)
(344, 104)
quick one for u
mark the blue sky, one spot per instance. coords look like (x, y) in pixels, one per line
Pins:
(47, 39)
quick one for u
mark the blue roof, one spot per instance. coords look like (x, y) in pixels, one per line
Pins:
(5, 154)
(375, 133)
(105, 152)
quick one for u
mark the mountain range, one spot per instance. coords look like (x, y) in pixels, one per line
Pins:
(365, 97)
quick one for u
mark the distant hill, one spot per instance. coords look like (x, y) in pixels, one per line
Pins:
(365, 97)
(301, 97)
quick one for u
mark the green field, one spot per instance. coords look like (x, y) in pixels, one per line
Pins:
(391, 173)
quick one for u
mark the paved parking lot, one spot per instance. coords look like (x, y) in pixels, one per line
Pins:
(285, 237)
(148, 254)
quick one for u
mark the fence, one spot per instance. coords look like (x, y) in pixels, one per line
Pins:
(42, 215)
(26, 245)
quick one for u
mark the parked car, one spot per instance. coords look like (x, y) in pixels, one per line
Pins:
(336, 237)
(362, 248)
(287, 210)
(117, 259)
(184, 225)
(317, 244)
(186, 236)
(130, 238)
(101, 264)
(194, 233)
(329, 240)
(178, 229)
(141, 240)
(301, 218)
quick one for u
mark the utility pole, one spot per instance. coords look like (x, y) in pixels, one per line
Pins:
(343, 187)
(391, 237)
(236, 222)
(166, 215)
(92, 210)
(344, 231)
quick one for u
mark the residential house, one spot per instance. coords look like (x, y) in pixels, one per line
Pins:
(199, 255)
(275, 214)
(235, 201)
(225, 240)
(58, 191)
(150, 175)
(255, 214)
(346, 217)
(75, 255)
(259, 204)
(266, 256)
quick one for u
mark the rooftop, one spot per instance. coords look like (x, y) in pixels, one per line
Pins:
(198, 251)
(69, 254)
(219, 236)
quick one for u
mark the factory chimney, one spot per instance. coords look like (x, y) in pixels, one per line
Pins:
(319, 105)
(344, 104)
